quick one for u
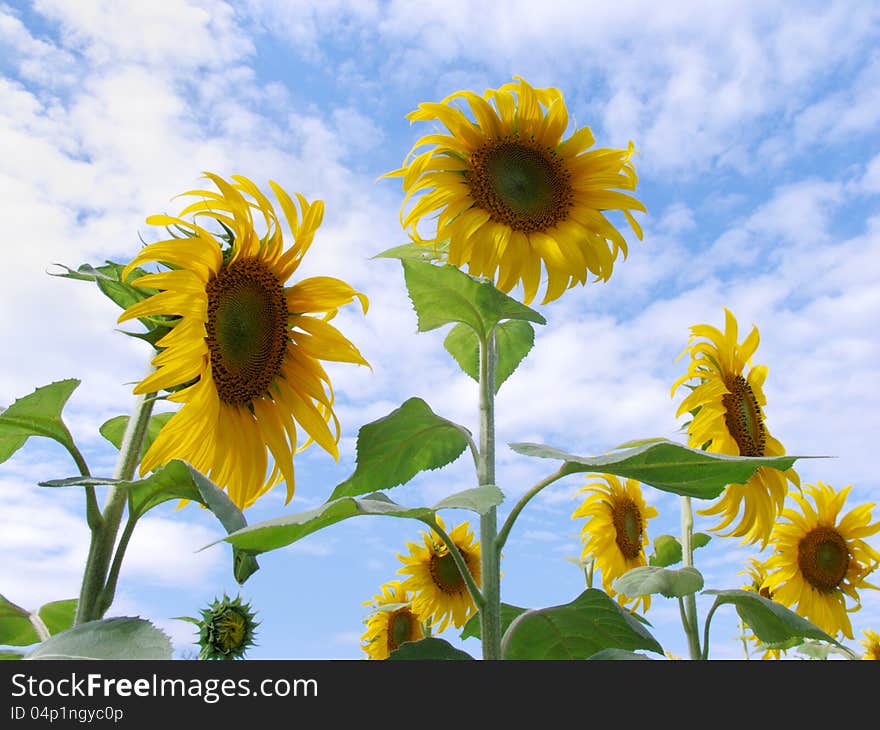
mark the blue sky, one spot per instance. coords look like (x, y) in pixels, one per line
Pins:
(757, 131)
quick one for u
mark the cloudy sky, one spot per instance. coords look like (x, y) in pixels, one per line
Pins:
(757, 131)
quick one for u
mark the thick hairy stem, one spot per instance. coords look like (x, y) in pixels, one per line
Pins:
(89, 607)
(490, 615)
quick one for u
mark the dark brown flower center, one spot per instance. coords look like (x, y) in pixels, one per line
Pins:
(247, 330)
(445, 573)
(823, 558)
(743, 417)
(627, 520)
(402, 627)
(520, 183)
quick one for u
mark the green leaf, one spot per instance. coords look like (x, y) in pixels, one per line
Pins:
(113, 638)
(648, 579)
(508, 614)
(770, 621)
(114, 429)
(281, 531)
(58, 615)
(429, 648)
(7, 655)
(444, 295)
(618, 654)
(16, 628)
(178, 480)
(667, 551)
(416, 252)
(667, 465)
(37, 414)
(393, 449)
(513, 341)
(576, 630)
(667, 548)
(816, 650)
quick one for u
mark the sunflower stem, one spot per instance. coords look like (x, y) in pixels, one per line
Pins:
(490, 554)
(689, 609)
(104, 535)
(460, 563)
(523, 501)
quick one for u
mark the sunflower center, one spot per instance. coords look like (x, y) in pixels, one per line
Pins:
(246, 330)
(627, 520)
(743, 417)
(823, 558)
(400, 628)
(231, 627)
(445, 573)
(519, 183)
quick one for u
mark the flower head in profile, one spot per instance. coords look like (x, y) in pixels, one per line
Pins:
(391, 623)
(615, 533)
(511, 197)
(871, 642)
(727, 402)
(226, 629)
(244, 354)
(821, 559)
(440, 593)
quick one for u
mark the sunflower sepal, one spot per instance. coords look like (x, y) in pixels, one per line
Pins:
(647, 580)
(226, 629)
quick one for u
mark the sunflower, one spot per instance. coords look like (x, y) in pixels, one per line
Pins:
(392, 623)
(244, 353)
(729, 419)
(819, 560)
(440, 593)
(871, 642)
(510, 194)
(615, 533)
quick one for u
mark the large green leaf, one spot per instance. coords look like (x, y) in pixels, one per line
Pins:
(37, 414)
(666, 465)
(428, 648)
(648, 579)
(58, 616)
(16, 628)
(445, 295)
(618, 654)
(281, 531)
(178, 480)
(770, 621)
(513, 341)
(113, 638)
(114, 429)
(393, 449)
(508, 614)
(576, 630)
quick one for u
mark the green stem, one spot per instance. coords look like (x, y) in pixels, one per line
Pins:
(473, 588)
(490, 615)
(109, 590)
(705, 654)
(104, 534)
(742, 638)
(690, 601)
(523, 501)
